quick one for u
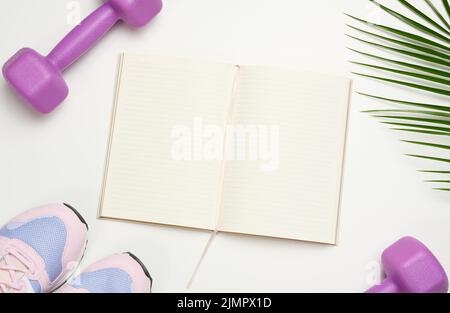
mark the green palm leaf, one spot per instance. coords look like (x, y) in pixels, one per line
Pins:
(409, 103)
(447, 7)
(428, 144)
(439, 91)
(438, 14)
(413, 23)
(418, 112)
(404, 34)
(424, 16)
(422, 57)
(416, 119)
(404, 43)
(429, 158)
(431, 66)
(412, 126)
(411, 74)
(428, 132)
(425, 69)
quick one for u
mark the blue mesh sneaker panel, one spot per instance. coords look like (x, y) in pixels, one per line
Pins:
(36, 286)
(46, 235)
(109, 280)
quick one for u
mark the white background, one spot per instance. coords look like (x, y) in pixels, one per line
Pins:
(59, 157)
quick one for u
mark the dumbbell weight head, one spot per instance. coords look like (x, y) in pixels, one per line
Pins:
(136, 13)
(410, 267)
(36, 80)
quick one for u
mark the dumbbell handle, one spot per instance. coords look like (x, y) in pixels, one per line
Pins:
(387, 286)
(83, 37)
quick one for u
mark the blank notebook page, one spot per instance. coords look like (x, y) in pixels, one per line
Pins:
(291, 192)
(142, 181)
(298, 198)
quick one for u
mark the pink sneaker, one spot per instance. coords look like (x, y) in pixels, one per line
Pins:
(41, 248)
(119, 273)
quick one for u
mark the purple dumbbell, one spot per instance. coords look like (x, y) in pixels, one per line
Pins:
(39, 79)
(411, 268)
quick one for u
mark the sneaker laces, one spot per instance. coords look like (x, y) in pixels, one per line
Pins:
(16, 266)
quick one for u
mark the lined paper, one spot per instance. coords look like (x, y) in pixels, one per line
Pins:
(298, 199)
(303, 114)
(143, 182)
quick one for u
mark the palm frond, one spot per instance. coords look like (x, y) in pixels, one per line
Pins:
(425, 17)
(434, 79)
(435, 172)
(428, 132)
(413, 23)
(447, 7)
(404, 34)
(438, 181)
(409, 103)
(416, 119)
(418, 112)
(428, 144)
(439, 91)
(426, 68)
(406, 44)
(429, 158)
(420, 56)
(438, 14)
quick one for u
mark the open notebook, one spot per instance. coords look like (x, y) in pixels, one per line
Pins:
(274, 171)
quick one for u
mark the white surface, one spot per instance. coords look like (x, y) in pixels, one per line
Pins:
(60, 157)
